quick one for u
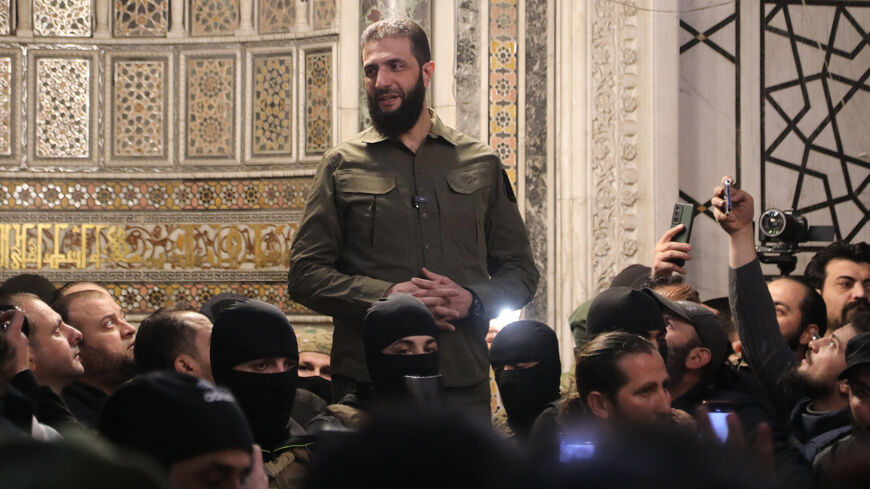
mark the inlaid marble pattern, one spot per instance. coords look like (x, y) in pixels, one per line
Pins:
(213, 17)
(6, 17)
(63, 107)
(371, 11)
(141, 18)
(276, 15)
(535, 161)
(318, 101)
(62, 18)
(6, 106)
(144, 298)
(324, 13)
(145, 195)
(273, 105)
(139, 96)
(468, 52)
(210, 107)
(503, 79)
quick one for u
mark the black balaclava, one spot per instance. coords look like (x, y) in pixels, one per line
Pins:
(387, 321)
(526, 392)
(318, 386)
(250, 330)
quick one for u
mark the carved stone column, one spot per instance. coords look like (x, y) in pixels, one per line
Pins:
(301, 15)
(246, 14)
(102, 18)
(176, 13)
(616, 152)
(25, 19)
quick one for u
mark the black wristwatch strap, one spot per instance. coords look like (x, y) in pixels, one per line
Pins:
(475, 310)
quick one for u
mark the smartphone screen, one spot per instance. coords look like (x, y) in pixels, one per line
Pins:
(570, 450)
(720, 424)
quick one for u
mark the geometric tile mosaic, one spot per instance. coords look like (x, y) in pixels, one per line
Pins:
(815, 99)
(6, 17)
(324, 13)
(210, 104)
(62, 18)
(63, 107)
(141, 18)
(149, 195)
(503, 80)
(276, 16)
(144, 298)
(213, 17)
(6, 106)
(318, 101)
(273, 105)
(139, 105)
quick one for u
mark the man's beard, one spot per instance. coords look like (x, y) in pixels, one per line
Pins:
(676, 362)
(110, 369)
(401, 120)
(813, 388)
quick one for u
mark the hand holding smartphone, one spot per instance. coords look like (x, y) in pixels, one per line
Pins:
(683, 214)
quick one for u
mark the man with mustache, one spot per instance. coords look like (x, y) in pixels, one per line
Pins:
(412, 206)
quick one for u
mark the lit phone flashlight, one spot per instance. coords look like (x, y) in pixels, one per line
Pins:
(728, 184)
(717, 413)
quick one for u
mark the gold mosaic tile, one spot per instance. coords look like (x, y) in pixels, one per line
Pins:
(318, 101)
(273, 104)
(62, 18)
(140, 18)
(63, 107)
(139, 96)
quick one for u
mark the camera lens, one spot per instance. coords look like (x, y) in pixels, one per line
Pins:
(772, 223)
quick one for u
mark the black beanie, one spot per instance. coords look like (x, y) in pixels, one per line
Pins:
(525, 341)
(249, 330)
(394, 318)
(174, 417)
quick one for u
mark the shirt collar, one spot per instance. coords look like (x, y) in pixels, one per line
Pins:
(438, 129)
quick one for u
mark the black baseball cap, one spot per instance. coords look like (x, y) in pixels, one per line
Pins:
(857, 354)
(624, 309)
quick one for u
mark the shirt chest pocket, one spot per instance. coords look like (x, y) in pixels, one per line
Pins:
(365, 203)
(467, 198)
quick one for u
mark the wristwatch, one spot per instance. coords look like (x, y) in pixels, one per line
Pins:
(475, 310)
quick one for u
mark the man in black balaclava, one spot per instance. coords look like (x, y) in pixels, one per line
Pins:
(402, 356)
(254, 354)
(525, 358)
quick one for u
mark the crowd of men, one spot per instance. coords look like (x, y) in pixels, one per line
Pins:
(412, 242)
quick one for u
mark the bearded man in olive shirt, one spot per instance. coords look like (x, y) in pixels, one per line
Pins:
(411, 205)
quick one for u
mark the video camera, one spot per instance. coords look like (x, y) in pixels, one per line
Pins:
(782, 233)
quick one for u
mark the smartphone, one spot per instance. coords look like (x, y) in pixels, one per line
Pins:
(571, 449)
(683, 214)
(717, 413)
(25, 327)
(728, 184)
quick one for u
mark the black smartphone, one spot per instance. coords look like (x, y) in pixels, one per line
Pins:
(683, 214)
(25, 327)
(728, 186)
(717, 413)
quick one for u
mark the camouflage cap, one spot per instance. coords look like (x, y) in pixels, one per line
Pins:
(314, 339)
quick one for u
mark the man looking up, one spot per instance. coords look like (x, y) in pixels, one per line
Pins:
(106, 350)
(807, 394)
(840, 272)
(800, 313)
(254, 354)
(174, 338)
(525, 359)
(411, 205)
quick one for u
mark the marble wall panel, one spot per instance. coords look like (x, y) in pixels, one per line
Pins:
(323, 14)
(503, 81)
(62, 103)
(371, 11)
(211, 115)
(318, 112)
(6, 106)
(140, 18)
(536, 157)
(213, 17)
(275, 16)
(6, 22)
(139, 116)
(468, 54)
(62, 18)
(271, 123)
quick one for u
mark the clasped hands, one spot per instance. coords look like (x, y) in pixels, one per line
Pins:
(445, 299)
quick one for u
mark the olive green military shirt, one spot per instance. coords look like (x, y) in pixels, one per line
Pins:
(378, 213)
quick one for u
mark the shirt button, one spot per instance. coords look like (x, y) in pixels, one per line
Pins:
(425, 215)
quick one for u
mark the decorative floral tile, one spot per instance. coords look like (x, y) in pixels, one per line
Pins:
(210, 101)
(145, 298)
(141, 18)
(276, 16)
(62, 18)
(213, 17)
(318, 101)
(503, 99)
(273, 105)
(324, 13)
(5, 17)
(63, 107)
(6, 106)
(139, 108)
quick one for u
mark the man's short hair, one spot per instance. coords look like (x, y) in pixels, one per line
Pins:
(815, 271)
(597, 368)
(62, 291)
(61, 305)
(812, 307)
(163, 336)
(679, 289)
(402, 28)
